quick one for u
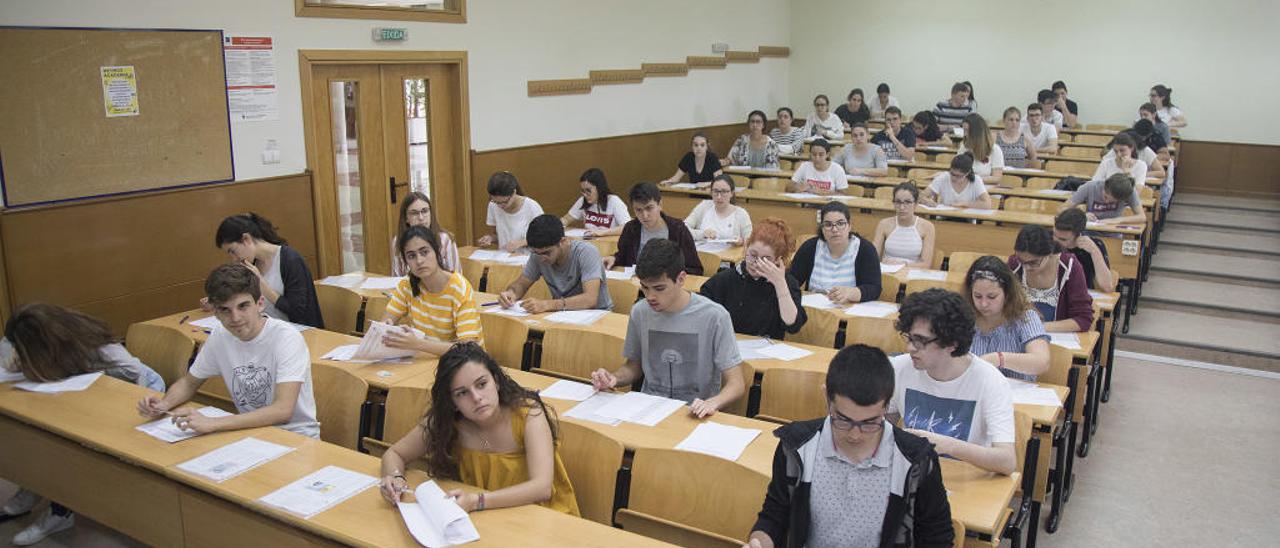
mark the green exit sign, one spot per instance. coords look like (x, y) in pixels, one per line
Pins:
(387, 34)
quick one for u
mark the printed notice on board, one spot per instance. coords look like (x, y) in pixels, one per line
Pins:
(251, 78)
(120, 91)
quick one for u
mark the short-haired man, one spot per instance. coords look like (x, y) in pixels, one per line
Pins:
(951, 112)
(1070, 111)
(680, 342)
(1105, 201)
(650, 223)
(1048, 107)
(263, 361)
(1068, 233)
(853, 478)
(945, 393)
(897, 139)
(572, 269)
(1043, 135)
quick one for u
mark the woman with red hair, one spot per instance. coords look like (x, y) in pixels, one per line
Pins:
(761, 296)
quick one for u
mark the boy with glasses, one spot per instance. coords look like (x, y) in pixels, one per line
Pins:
(944, 393)
(852, 478)
(572, 269)
(509, 211)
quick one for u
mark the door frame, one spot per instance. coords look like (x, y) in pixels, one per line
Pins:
(323, 202)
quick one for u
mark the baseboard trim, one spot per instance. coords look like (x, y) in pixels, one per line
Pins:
(1197, 364)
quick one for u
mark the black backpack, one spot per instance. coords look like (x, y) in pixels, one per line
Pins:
(1069, 183)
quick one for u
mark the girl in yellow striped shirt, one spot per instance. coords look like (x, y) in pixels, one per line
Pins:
(438, 302)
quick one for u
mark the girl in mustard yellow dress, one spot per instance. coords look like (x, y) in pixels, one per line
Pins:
(485, 430)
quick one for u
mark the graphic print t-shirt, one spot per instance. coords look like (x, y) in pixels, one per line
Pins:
(251, 370)
(682, 354)
(976, 407)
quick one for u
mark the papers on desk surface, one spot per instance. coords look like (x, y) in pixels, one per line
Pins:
(589, 409)
(575, 232)
(207, 323)
(1052, 192)
(11, 376)
(627, 273)
(70, 384)
(765, 349)
(1023, 170)
(164, 429)
(922, 274)
(872, 309)
(517, 310)
(939, 207)
(639, 408)
(371, 348)
(816, 300)
(577, 317)
(939, 148)
(380, 282)
(1028, 393)
(499, 256)
(344, 280)
(435, 519)
(1100, 296)
(980, 211)
(887, 268)
(568, 390)
(233, 459)
(319, 490)
(1065, 340)
(801, 195)
(686, 186)
(714, 246)
(719, 440)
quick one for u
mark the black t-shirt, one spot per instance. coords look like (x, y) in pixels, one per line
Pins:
(709, 167)
(852, 117)
(1071, 107)
(906, 135)
(1086, 261)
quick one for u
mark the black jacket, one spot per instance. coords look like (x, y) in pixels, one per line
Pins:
(629, 244)
(919, 517)
(753, 303)
(298, 300)
(866, 266)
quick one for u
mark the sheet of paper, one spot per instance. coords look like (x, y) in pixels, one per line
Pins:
(935, 275)
(940, 207)
(435, 519)
(938, 148)
(207, 324)
(801, 195)
(1065, 340)
(887, 268)
(575, 232)
(712, 246)
(720, 440)
(11, 376)
(873, 309)
(70, 384)
(372, 348)
(1100, 296)
(319, 490)
(741, 168)
(980, 211)
(380, 282)
(626, 274)
(165, 430)
(233, 459)
(1023, 170)
(785, 352)
(516, 310)
(344, 280)
(898, 162)
(1052, 192)
(577, 317)
(816, 300)
(589, 409)
(749, 349)
(344, 353)
(1027, 393)
(568, 390)
(640, 408)
(686, 186)
(513, 259)
(499, 256)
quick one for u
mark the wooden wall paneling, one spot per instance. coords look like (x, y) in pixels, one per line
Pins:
(4, 284)
(1229, 169)
(567, 86)
(742, 56)
(1255, 171)
(1203, 167)
(774, 51)
(706, 61)
(665, 69)
(616, 76)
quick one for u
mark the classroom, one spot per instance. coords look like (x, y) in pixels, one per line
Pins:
(615, 274)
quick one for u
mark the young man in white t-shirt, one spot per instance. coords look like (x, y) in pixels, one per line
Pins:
(958, 401)
(1049, 107)
(1043, 135)
(510, 211)
(263, 361)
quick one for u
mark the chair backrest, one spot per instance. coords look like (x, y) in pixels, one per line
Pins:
(958, 527)
(623, 294)
(958, 264)
(819, 330)
(592, 460)
(1041, 183)
(1082, 152)
(499, 276)
(739, 406)
(922, 175)
(692, 499)
(945, 157)
(1091, 139)
(1145, 192)
(539, 289)
(916, 286)
(856, 190)
(374, 309)
(339, 396)
(339, 306)
(1010, 180)
(1021, 434)
(1060, 359)
(788, 395)
(405, 407)
(889, 287)
(1031, 205)
(740, 181)
(164, 349)
(769, 184)
(504, 339)
(574, 353)
(1064, 137)
(1084, 169)
(881, 333)
(785, 165)
(710, 262)
(473, 271)
(920, 156)
(883, 193)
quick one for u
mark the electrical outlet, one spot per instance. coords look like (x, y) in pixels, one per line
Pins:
(719, 47)
(1129, 248)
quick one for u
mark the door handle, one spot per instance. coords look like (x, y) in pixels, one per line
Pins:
(392, 189)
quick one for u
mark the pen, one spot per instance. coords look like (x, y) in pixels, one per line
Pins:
(183, 320)
(488, 304)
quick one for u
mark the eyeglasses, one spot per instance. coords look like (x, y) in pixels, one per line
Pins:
(869, 426)
(753, 257)
(419, 213)
(916, 340)
(502, 203)
(1037, 263)
(720, 191)
(904, 202)
(838, 225)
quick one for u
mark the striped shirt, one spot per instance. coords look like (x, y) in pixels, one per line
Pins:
(791, 143)
(446, 316)
(1012, 337)
(951, 116)
(829, 272)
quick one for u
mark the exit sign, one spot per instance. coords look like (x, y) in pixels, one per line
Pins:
(387, 34)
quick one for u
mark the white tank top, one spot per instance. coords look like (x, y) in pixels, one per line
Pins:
(904, 242)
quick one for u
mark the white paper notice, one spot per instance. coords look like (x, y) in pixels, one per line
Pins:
(887, 268)
(319, 490)
(750, 349)
(720, 440)
(873, 309)
(251, 78)
(345, 280)
(816, 300)
(568, 390)
(577, 317)
(436, 520)
(1065, 340)
(120, 91)
(784, 352)
(69, 384)
(165, 430)
(208, 323)
(1026, 393)
(233, 459)
(935, 275)
(640, 408)
(380, 282)
(589, 409)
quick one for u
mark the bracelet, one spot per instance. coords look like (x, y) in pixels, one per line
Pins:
(562, 304)
(480, 503)
(1000, 356)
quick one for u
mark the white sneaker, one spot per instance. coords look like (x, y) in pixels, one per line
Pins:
(43, 527)
(21, 502)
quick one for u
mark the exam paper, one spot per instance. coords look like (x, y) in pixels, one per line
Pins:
(816, 300)
(1065, 340)
(626, 274)
(165, 430)
(344, 280)
(11, 376)
(499, 256)
(750, 349)
(516, 310)
(720, 440)
(640, 408)
(800, 195)
(575, 232)
(1027, 393)
(233, 459)
(380, 282)
(589, 409)
(940, 207)
(872, 309)
(372, 348)
(568, 390)
(784, 352)
(935, 275)
(577, 317)
(686, 186)
(887, 268)
(319, 490)
(207, 324)
(712, 246)
(1053, 192)
(435, 519)
(70, 384)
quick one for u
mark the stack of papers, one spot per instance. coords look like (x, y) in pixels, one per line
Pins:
(345, 280)
(1065, 340)
(165, 430)
(233, 459)
(576, 232)
(380, 282)
(1027, 393)
(887, 268)
(371, 347)
(435, 519)
(816, 300)
(568, 390)
(750, 349)
(719, 440)
(517, 310)
(800, 195)
(626, 274)
(70, 384)
(499, 256)
(935, 275)
(577, 317)
(872, 309)
(207, 324)
(589, 409)
(686, 186)
(319, 490)
(639, 408)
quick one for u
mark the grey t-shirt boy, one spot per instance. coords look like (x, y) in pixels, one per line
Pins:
(566, 281)
(683, 354)
(1093, 195)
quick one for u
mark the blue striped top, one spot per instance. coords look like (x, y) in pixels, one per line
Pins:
(829, 272)
(1011, 336)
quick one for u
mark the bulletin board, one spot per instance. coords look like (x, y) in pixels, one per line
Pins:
(96, 112)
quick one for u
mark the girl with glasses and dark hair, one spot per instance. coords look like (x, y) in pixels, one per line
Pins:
(1162, 97)
(839, 262)
(754, 148)
(1054, 281)
(416, 209)
(822, 122)
(957, 187)
(602, 212)
(718, 218)
(905, 238)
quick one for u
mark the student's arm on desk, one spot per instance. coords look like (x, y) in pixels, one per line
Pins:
(179, 393)
(279, 412)
(412, 446)
(999, 458)
(582, 301)
(732, 387)
(1034, 361)
(514, 291)
(1102, 279)
(540, 453)
(602, 379)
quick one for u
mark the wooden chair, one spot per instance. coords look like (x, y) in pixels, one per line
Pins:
(692, 499)
(168, 351)
(922, 175)
(740, 181)
(339, 306)
(1082, 169)
(819, 330)
(769, 184)
(945, 157)
(1064, 137)
(739, 406)
(883, 193)
(571, 353)
(405, 406)
(505, 338)
(1022, 430)
(920, 157)
(374, 309)
(1031, 205)
(958, 264)
(958, 527)
(788, 395)
(1012, 181)
(1081, 152)
(539, 289)
(592, 460)
(473, 271)
(214, 392)
(1041, 183)
(890, 285)
(499, 276)
(1091, 139)
(916, 286)
(340, 397)
(881, 333)
(1145, 192)
(710, 263)
(1106, 127)
(623, 294)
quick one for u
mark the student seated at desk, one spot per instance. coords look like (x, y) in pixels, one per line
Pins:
(1044, 137)
(925, 126)
(854, 111)
(601, 211)
(957, 187)
(718, 218)
(1142, 134)
(861, 157)
(946, 394)
(1049, 109)
(416, 210)
(510, 211)
(819, 175)
(951, 112)
(852, 478)
(905, 238)
(649, 224)
(1105, 201)
(282, 274)
(822, 123)
(1015, 145)
(761, 296)
(1164, 157)
(1162, 97)
(790, 140)
(572, 269)
(1054, 281)
(483, 429)
(1148, 112)
(48, 343)
(263, 361)
(437, 302)
(1008, 330)
(681, 343)
(1064, 105)
(988, 159)
(839, 262)
(897, 139)
(754, 148)
(700, 164)
(881, 101)
(1068, 233)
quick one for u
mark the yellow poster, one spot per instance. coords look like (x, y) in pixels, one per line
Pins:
(120, 91)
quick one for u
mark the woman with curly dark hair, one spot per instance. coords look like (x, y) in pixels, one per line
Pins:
(485, 430)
